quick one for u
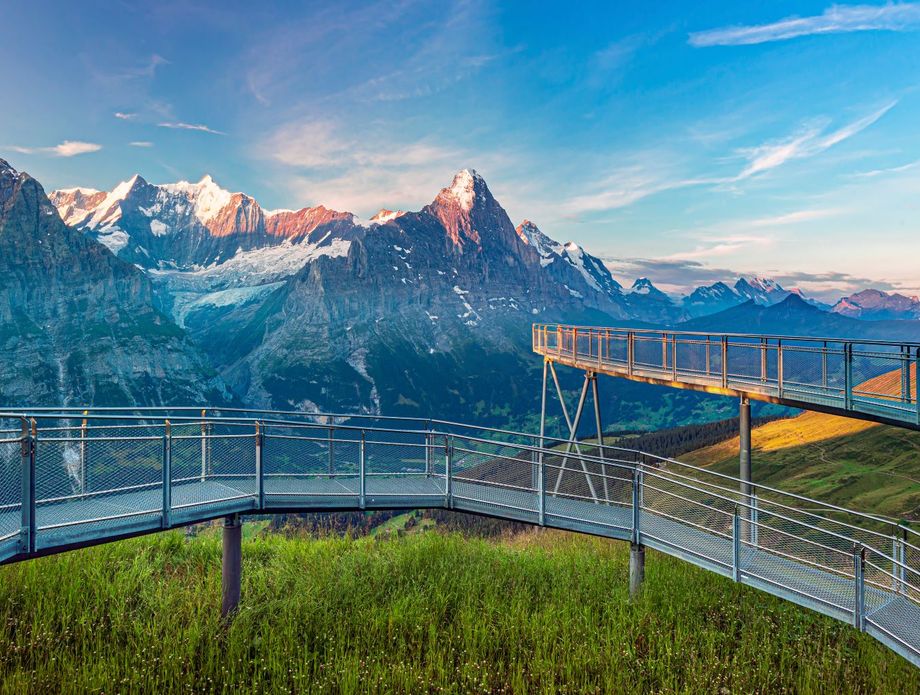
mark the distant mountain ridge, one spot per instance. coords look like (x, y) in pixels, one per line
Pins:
(191, 226)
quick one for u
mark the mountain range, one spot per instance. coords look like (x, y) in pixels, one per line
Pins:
(411, 312)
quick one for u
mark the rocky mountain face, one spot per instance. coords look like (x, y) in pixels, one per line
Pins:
(429, 311)
(78, 325)
(413, 312)
(875, 305)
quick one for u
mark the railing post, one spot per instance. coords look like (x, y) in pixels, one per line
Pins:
(763, 360)
(260, 470)
(673, 357)
(331, 453)
(636, 504)
(824, 366)
(917, 382)
(167, 475)
(362, 469)
(575, 344)
(83, 452)
(664, 352)
(27, 529)
(736, 545)
(905, 375)
(779, 368)
(541, 487)
(848, 375)
(859, 603)
(204, 445)
(755, 520)
(708, 356)
(630, 352)
(724, 342)
(901, 557)
(429, 454)
(448, 472)
(600, 349)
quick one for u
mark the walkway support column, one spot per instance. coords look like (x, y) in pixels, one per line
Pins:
(744, 430)
(231, 568)
(636, 568)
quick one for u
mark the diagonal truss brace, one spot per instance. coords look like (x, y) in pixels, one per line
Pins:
(572, 424)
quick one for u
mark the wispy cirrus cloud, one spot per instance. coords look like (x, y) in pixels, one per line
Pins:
(834, 20)
(630, 184)
(123, 116)
(873, 173)
(141, 143)
(361, 174)
(68, 148)
(812, 139)
(199, 127)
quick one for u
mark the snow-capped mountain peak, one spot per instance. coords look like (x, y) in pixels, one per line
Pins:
(383, 215)
(206, 196)
(463, 188)
(531, 235)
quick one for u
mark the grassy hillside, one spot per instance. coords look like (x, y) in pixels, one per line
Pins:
(865, 466)
(428, 612)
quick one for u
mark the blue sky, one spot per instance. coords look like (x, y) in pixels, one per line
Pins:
(686, 142)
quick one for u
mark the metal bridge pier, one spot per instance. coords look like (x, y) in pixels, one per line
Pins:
(744, 430)
(231, 565)
(636, 568)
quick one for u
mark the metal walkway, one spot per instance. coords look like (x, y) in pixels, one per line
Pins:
(871, 380)
(70, 480)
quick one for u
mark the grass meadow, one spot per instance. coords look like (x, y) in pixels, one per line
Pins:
(431, 612)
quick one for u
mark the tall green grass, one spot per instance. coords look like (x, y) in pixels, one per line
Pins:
(540, 612)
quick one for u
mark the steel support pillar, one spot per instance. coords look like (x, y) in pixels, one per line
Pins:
(231, 567)
(636, 568)
(600, 433)
(744, 431)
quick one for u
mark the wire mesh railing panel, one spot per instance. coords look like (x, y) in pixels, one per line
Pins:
(396, 458)
(615, 349)
(119, 487)
(10, 487)
(694, 358)
(804, 370)
(652, 353)
(882, 376)
(747, 362)
(809, 570)
(296, 455)
(683, 503)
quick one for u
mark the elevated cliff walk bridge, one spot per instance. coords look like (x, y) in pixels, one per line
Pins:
(72, 478)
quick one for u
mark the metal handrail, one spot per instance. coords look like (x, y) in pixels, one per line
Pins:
(552, 327)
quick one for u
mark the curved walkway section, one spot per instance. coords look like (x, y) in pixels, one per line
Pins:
(872, 380)
(70, 480)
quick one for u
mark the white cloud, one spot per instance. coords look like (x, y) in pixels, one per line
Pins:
(361, 174)
(630, 184)
(121, 115)
(890, 170)
(836, 19)
(793, 217)
(141, 143)
(811, 140)
(68, 148)
(191, 126)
